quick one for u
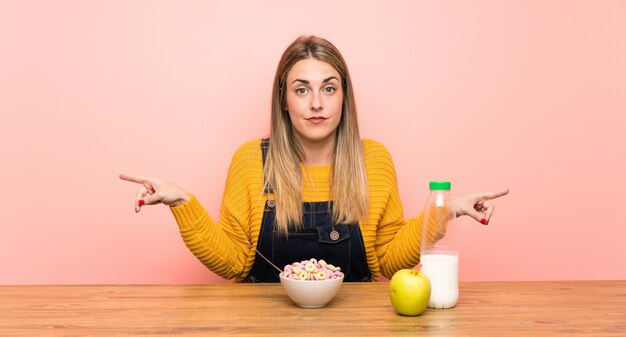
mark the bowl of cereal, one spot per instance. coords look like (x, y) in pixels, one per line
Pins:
(311, 283)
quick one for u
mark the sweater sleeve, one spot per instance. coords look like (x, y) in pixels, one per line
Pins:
(397, 240)
(222, 246)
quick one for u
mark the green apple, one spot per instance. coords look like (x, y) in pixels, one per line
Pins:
(409, 291)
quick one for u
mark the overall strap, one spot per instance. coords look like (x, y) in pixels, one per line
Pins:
(265, 145)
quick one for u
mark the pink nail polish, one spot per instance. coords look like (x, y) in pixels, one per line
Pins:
(141, 202)
(483, 221)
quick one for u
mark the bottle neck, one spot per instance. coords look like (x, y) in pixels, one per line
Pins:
(439, 197)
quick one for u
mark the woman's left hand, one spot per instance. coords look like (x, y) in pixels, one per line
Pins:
(477, 205)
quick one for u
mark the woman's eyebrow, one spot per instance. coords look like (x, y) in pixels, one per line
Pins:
(307, 82)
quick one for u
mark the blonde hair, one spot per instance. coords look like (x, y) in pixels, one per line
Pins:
(349, 189)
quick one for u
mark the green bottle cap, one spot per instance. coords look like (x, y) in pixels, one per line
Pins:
(440, 185)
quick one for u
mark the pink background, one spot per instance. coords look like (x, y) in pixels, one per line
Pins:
(488, 94)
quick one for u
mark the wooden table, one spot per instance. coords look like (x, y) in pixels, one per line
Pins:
(591, 308)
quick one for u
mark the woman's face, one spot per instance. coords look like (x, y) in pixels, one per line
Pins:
(314, 100)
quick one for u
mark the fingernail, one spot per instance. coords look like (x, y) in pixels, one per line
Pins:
(141, 202)
(483, 221)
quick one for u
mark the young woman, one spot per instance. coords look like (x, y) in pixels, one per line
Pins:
(313, 189)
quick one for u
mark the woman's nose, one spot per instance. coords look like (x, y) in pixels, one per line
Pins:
(316, 104)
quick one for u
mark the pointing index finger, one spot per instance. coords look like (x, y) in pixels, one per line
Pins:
(134, 179)
(494, 195)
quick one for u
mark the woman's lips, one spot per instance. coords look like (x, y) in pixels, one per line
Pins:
(316, 120)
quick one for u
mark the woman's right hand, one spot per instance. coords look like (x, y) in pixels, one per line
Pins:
(154, 191)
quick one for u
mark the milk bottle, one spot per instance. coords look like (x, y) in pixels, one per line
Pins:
(439, 251)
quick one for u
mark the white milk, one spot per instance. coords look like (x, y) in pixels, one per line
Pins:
(443, 272)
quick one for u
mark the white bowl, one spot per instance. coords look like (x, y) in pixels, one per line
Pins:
(311, 294)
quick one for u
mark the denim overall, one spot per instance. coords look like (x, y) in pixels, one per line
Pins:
(320, 238)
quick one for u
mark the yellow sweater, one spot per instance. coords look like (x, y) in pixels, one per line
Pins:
(391, 243)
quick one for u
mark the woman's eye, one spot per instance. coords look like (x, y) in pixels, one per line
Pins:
(330, 90)
(301, 91)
